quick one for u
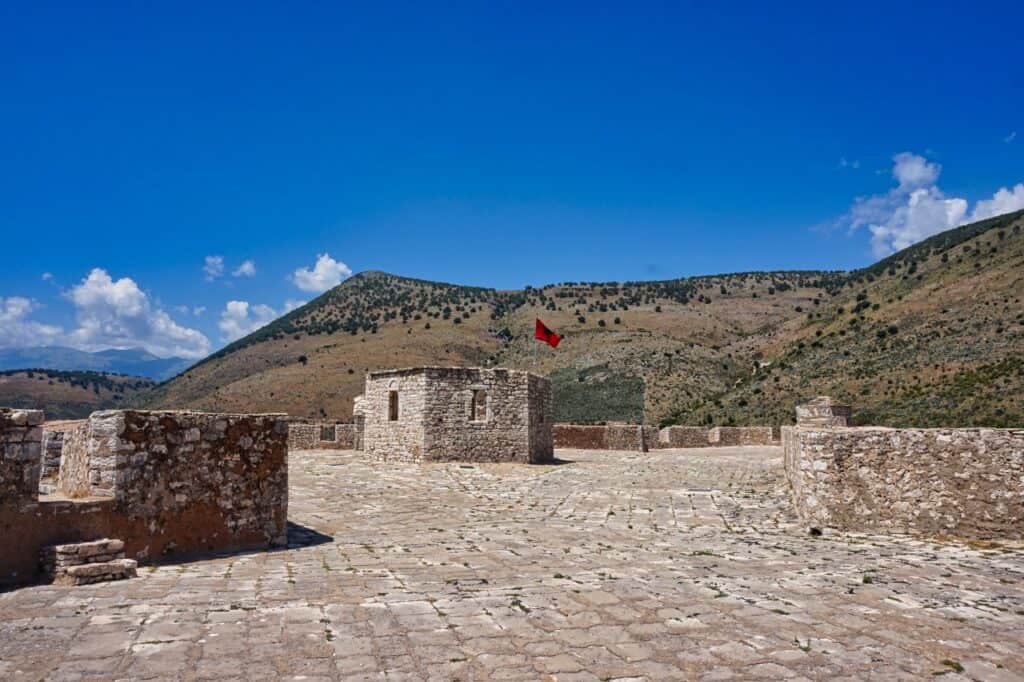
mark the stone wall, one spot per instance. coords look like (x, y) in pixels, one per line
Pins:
(53, 443)
(322, 436)
(164, 482)
(600, 437)
(540, 406)
(683, 437)
(73, 478)
(966, 483)
(466, 414)
(403, 437)
(21, 437)
(740, 435)
(643, 438)
(823, 411)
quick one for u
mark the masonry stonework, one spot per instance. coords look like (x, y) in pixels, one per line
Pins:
(21, 436)
(740, 436)
(632, 437)
(322, 436)
(823, 411)
(163, 482)
(683, 437)
(966, 483)
(457, 413)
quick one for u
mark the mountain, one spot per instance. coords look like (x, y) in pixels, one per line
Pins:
(68, 395)
(930, 335)
(131, 361)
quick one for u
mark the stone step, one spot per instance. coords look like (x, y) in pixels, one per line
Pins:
(86, 574)
(81, 563)
(81, 552)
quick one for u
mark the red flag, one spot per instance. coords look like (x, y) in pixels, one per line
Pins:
(544, 334)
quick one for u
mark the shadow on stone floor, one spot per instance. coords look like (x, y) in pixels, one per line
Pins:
(555, 461)
(303, 536)
(298, 536)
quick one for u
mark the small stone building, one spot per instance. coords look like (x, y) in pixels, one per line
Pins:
(457, 413)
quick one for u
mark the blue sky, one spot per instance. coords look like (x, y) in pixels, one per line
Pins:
(480, 143)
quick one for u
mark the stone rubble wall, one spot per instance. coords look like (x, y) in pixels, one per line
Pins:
(636, 438)
(307, 436)
(73, 473)
(164, 482)
(600, 437)
(53, 444)
(683, 437)
(541, 419)
(966, 483)
(394, 440)
(505, 434)
(823, 411)
(21, 446)
(233, 467)
(740, 435)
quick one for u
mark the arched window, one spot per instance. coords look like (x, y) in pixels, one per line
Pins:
(392, 406)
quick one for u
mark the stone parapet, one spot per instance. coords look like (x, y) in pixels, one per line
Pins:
(21, 437)
(164, 482)
(966, 483)
(724, 436)
(322, 436)
(600, 437)
(632, 437)
(823, 411)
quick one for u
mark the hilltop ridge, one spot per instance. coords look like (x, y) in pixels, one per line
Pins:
(731, 348)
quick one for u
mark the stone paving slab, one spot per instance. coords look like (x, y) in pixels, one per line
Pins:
(670, 565)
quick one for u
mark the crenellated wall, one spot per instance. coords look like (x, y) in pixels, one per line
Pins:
(638, 438)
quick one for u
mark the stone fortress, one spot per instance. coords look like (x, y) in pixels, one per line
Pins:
(669, 553)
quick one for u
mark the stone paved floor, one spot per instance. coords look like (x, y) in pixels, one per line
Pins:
(671, 565)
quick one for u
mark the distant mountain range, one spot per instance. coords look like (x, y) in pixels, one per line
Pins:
(133, 361)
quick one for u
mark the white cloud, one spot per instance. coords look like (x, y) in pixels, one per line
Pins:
(1011, 137)
(47, 276)
(925, 212)
(213, 267)
(240, 318)
(846, 163)
(199, 310)
(913, 171)
(1003, 201)
(916, 208)
(16, 331)
(117, 314)
(291, 304)
(246, 269)
(325, 274)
